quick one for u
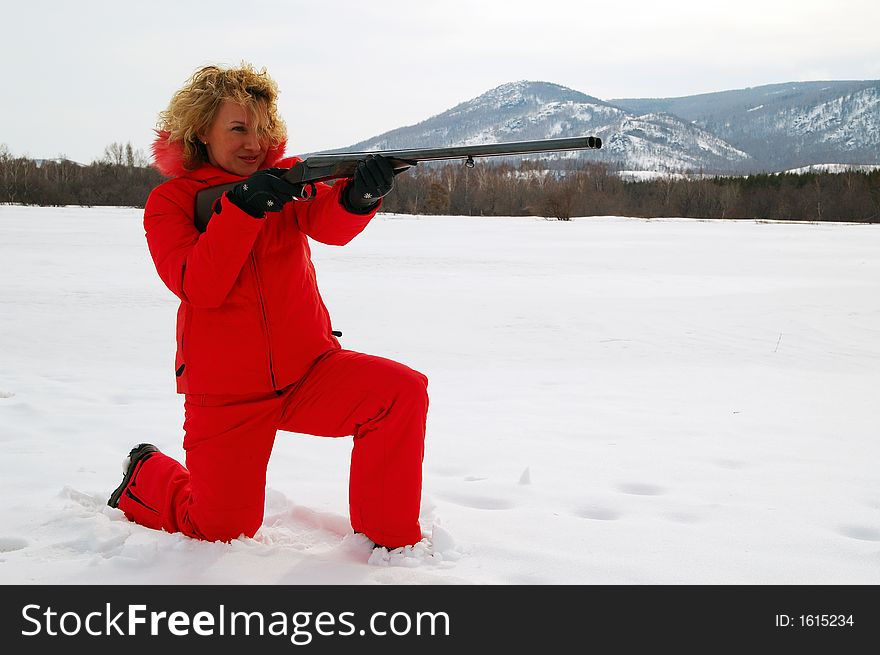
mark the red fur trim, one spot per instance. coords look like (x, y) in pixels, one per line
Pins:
(168, 155)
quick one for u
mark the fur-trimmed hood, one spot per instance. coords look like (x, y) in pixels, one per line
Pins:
(168, 155)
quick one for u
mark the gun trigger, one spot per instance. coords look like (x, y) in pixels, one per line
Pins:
(307, 191)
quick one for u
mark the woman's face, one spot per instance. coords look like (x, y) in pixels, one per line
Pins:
(232, 140)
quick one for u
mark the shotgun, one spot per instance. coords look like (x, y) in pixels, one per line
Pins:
(320, 168)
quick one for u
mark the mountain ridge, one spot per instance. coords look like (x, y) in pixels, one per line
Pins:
(766, 128)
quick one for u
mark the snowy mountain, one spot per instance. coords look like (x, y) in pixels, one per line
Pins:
(786, 126)
(774, 127)
(515, 111)
(664, 142)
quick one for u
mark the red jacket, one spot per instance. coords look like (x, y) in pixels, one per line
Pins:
(251, 318)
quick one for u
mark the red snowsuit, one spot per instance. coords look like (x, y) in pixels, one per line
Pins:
(255, 354)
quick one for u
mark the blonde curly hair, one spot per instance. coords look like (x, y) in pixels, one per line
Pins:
(192, 109)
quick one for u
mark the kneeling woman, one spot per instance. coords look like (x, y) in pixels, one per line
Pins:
(256, 351)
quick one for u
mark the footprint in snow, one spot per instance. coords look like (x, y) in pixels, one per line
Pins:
(479, 502)
(683, 517)
(9, 544)
(641, 489)
(861, 532)
(597, 513)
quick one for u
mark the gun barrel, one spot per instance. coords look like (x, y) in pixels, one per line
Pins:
(458, 152)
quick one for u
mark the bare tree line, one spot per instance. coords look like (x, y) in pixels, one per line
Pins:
(587, 189)
(122, 177)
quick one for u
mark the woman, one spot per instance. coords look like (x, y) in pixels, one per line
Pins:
(256, 351)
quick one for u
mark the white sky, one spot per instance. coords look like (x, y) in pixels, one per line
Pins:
(77, 76)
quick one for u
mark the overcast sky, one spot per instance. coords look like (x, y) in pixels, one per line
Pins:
(77, 76)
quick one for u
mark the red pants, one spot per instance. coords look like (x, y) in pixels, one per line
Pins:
(220, 494)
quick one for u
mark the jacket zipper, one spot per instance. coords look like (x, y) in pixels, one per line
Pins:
(139, 501)
(265, 320)
(186, 313)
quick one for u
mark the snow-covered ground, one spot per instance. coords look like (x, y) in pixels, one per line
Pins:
(613, 400)
(834, 168)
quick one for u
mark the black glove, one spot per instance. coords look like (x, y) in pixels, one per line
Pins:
(372, 179)
(262, 192)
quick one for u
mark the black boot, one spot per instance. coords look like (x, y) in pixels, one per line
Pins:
(139, 453)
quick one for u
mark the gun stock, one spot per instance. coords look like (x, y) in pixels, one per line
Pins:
(321, 168)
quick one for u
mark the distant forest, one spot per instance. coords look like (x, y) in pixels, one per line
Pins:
(595, 190)
(122, 177)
